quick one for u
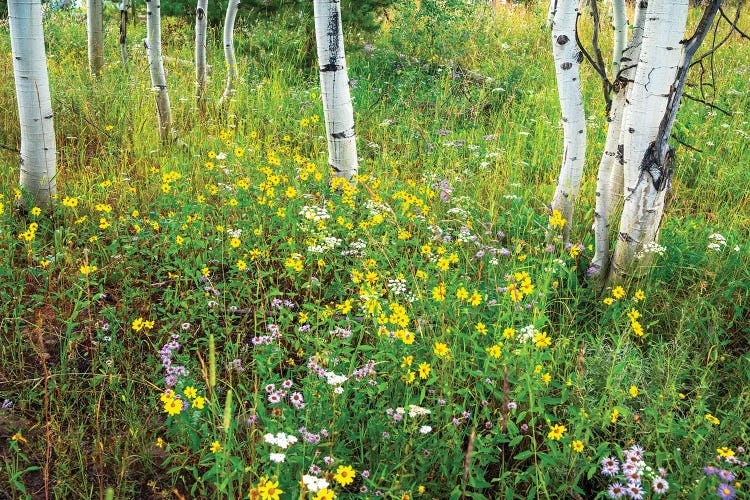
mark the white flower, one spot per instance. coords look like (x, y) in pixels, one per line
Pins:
(221, 156)
(425, 429)
(334, 379)
(415, 410)
(339, 390)
(277, 457)
(314, 484)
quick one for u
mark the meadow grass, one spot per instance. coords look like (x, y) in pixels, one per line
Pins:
(213, 318)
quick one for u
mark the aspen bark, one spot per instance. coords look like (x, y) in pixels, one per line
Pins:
(156, 66)
(124, 31)
(228, 39)
(334, 84)
(38, 149)
(567, 63)
(609, 177)
(95, 35)
(620, 22)
(644, 175)
(201, 24)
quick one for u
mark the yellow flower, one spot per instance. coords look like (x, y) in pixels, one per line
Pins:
(542, 340)
(199, 403)
(325, 494)
(87, 269)
(18, 437)
(462, 293)
(712, 419)
(438, 293)
(441, 349)
(618, 292)
(215, 447)
(633, 391)
(137, 324)
(609, 301)
(407, 361)
(238, 152)
(546, 378)
(577, 446)
(556, 432)
(424, 370)
(159, 443)
(495, 351)
(190, 392)
(481, 328)
(639, 295)
(344, 475)
(235, 242)
(70, 202)
(241, 265)
(557, 221)
(36, 211)
(173, 406)
(509, 333)
(725, 452)
(475, 298)
(179, 239)
(615, 415)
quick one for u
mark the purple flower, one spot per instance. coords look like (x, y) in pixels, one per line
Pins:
(660, 486)
(710, 470)
(328, 460)
(365, 474)
(725, 492)
(725, 475)
(616, 490)
(315, 470)
(635, 490)
(610, 466)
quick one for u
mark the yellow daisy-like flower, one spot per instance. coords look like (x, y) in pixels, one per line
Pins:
(325, 494)
(441, 349)
(577, 446)
(725, 452)
(215, 447)
(556, 431)
(633, 391)
(199, 403)
(618, 292)
(344, 475)
(173, 406)
(712, 419)
(190, 392)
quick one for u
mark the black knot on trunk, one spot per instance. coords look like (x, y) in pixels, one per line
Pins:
(563, 39)
(566, 65)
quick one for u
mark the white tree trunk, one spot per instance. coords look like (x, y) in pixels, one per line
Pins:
(644, 188)
(124, 31)
(38, 149)
(95, 34)
(156, 66)
(334, 84)
(620, 21)
(201, 24)
(609, 177)
(228, 40)
(567, 63)
(551, 13)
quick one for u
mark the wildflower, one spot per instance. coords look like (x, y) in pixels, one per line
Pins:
(577, 446)
(325, 494)
(546, 378)
(556, 432)
(633, 391)
(269, 490)
(725, 452)
(610, 466)
(215, 447)
(618, 292)
(509, 333)
(277, 457)
(190, 392)
(159, 443)
(557, 221)
(424, 370)
(475, 298)
(173, 406)
(439, 292)
(481, 328)
(87, 269)
(712, 419)
(241, 265)
(615, 415)
(609, 301)
(635, 490)
(660, 486)
(495, 351)
(344, 475)
(725, 475)
(199, 403)
(542, 340)
(616, 490)
(639, 295)
(18, 437)
(725, 492)
(441, 349)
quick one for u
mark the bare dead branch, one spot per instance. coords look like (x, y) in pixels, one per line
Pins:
(710, 105)
(678, 141)
(734, 24)
(10, 148)
(606, 84)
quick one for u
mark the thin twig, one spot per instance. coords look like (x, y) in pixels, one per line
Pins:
(10, 148)
(710, 105)
(734, 25)
(677, 139)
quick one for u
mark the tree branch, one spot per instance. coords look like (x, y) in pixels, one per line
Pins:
(710, 105)
(606, 84)
(10, 148)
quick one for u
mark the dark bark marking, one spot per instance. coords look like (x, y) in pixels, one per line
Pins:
(200, 13)
(562, 39)
(345, 134)
(566, 65)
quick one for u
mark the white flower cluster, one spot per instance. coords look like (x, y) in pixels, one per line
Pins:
(717, 242)
(329, 243)
(314, 213)
(416, 411)
(397, 286)
(375, 208)
(652, 247)
(356, 248)
(334, 379)
(314, 484)
(526, 334)
(282, 440)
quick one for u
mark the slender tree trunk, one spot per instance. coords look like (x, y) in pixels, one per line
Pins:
(156, 65)
(124, 31)
(645, 187)
(229, 20)
(334, 83)
(38, 149)
(201, 23)
(95, 32)
(551, 10)
(620, 21)
(609, 178)
(567, 63)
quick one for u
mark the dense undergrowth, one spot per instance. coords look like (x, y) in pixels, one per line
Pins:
(214, 318)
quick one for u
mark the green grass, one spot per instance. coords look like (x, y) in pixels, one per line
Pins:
(463, 98)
